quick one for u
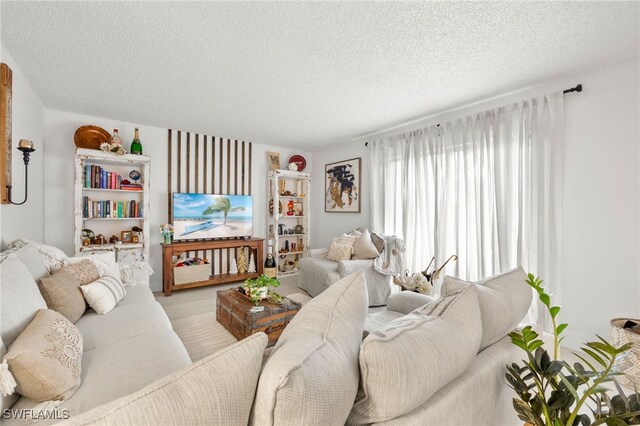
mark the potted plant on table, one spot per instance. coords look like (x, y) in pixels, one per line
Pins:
(551, 392)
(257, 289)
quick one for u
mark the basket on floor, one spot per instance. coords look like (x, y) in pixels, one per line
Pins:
(629, 362)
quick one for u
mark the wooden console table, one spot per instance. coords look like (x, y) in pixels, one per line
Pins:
(177, 248)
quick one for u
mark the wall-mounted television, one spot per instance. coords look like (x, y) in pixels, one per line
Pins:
(210, 216)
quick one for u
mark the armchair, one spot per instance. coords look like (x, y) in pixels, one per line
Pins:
(317, 273)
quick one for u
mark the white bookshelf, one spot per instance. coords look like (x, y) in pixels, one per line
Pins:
(108, 226)
(296, 183)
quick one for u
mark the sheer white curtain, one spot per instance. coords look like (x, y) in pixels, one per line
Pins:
(486, 187)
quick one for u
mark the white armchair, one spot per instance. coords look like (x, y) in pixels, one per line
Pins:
(317, 273)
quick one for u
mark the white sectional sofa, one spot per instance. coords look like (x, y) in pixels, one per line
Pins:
(123, 351)
(135, 370)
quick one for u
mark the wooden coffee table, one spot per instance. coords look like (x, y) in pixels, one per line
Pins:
(233, 311)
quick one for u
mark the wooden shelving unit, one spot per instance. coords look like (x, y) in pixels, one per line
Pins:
(108, 226)
(279, 182)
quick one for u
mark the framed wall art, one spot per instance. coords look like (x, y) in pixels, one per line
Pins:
(274, 160)
(342, 186)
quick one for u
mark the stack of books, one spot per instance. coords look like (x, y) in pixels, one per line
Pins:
(97, 178)
(110, 209)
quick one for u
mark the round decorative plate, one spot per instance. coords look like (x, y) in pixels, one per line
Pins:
(90, 137)
(299, 160)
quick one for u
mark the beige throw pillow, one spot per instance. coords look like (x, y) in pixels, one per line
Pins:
(46, 358)
(347, 240)
(85, 271)
(217, 390)
(62, 293)
(311, 376)
(104, 294)
(364, 247)
(406, 361)
(504, 301)
(338, 252)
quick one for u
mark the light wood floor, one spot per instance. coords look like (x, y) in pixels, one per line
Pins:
(193, 315)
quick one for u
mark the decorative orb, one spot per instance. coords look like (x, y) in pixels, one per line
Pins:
(134, 174)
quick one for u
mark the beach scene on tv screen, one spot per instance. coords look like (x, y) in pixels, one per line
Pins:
(204, 216)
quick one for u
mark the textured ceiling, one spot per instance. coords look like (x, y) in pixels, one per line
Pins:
(301, 74)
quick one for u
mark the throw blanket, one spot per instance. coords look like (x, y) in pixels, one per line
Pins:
(389, 262)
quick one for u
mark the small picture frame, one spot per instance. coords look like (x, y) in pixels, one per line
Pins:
(126, 236)
(274, 160)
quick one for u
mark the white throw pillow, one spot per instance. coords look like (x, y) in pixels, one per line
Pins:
(406, 361)
(364, 247)
(217, 390)
(311, 376)
(504, 301)
(347, 240)
(52, 257)
(104, 293)
(338, 252)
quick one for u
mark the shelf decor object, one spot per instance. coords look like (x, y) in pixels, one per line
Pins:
(107, 204)
(290, 233)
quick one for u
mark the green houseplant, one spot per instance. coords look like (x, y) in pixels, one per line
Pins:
(550, 392)
(258, 288)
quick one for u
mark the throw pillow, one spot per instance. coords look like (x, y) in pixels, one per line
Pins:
(311, 376)
(338, 252)
(45, 360)
(20, 298)
(30, 256)
(62, 293)
(378, 241)
(85, 271)
(364, 247)
(216, 390)
(347, 240)
(504, 301)
(406, 361)
(52, 257)
(104, 293)
(105, 262)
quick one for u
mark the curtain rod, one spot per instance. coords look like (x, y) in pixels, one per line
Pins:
(577, 89)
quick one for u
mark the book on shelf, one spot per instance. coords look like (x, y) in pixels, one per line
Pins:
(95, 177)
(105, 209)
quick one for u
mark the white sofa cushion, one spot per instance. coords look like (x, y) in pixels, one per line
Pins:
(20, 299)
(216, 390)
(123, 323)
(504, 301)
(31, 258)
(52, 257)
(405, 362)
(311, 376)
(338, 252)
(364, 248)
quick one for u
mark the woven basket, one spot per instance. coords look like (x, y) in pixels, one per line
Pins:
(191, 274)
(629, 362)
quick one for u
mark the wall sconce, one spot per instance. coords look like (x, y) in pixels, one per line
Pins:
(26, 146)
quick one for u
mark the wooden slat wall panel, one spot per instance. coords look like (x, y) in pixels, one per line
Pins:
(209, 165)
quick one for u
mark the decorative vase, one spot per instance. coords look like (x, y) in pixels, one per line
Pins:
(167, 239)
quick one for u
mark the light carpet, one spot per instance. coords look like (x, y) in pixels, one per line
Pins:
(193, 315)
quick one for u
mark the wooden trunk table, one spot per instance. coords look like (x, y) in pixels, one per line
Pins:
(233, 311)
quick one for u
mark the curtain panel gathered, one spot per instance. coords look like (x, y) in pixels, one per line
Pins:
(486, 187)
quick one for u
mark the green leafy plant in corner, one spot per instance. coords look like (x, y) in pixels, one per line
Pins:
(553, 393)
(255, 287)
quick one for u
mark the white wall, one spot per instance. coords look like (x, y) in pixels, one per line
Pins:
(60, 127)
(601, 253)
(27, 220)
(327, 225)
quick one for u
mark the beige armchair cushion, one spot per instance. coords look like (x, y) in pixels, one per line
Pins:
(338, 252)
(46, 358)
(405, 362)
(364, 248)
(217, 390)
(311, 377)
(504, 301)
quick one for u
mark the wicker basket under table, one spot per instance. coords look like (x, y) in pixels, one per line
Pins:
(629, 362)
